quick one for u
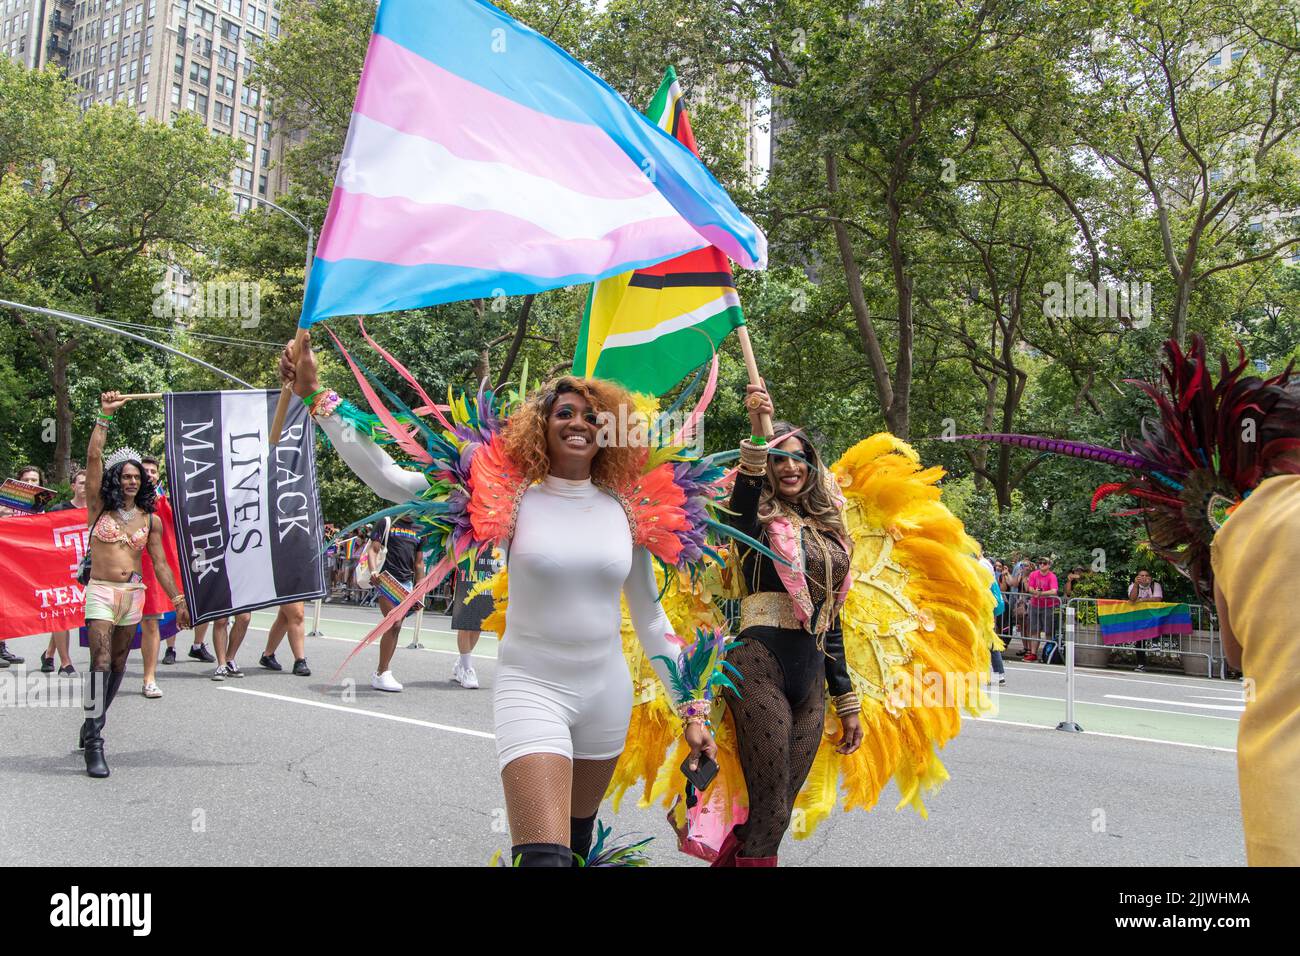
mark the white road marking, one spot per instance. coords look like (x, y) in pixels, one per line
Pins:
(1088, 733)
(1097, 703)
(359, 710)
(1205, 682)
(1176, 703)
(1233, 700)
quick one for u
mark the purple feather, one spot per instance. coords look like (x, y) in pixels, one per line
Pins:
(1056, 446)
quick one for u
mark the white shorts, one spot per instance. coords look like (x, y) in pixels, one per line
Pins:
(555, 699)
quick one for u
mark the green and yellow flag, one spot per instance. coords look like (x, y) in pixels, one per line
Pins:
(648, 329)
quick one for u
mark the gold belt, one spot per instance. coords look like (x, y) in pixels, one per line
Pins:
(768, 609)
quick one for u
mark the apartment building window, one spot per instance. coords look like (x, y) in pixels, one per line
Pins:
(226, 58)
(179, 68)
(248, 123)
(130, 97)
(266, 157)
(1237, 54)
(266, 131)
(121, 75)
(135, 70)
(200, 74)
(243, 178)
(261, 184)
(180, 36)
(231, 6)
(202, 47)
(144, 93)
(225, 85)
(249, 150)
(275, 26)
(197, 102)
(144, 64)
(148, 37)
(153, 7)
(249, 96)
(231, 30)
(207, 19)
(112, 50)
(135, 42)
(176, 94)
(117, 24)
(224, 114)
(99, 85)
(1217, 59)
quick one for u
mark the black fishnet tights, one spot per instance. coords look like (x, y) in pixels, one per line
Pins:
(777, 741)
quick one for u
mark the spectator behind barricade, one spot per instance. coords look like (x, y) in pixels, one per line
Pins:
(1073, 580)
(1144, 588)
(1014, 593)
(1043, 588)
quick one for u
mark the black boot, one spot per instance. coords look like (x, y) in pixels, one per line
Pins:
(542, 854)
(95, 703)
(580, 830)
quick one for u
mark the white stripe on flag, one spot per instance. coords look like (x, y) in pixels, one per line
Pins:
(728, 299)
(383, 162)
(244, 458)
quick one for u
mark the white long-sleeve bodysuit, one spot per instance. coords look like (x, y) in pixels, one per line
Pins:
(562, 684)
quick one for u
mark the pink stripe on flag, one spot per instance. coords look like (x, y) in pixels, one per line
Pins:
(405, 233)
(412, 95)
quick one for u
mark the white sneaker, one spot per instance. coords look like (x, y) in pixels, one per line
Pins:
(465, 677)
(999, 678)
(386, 681)
(151, 691)
(220, 673)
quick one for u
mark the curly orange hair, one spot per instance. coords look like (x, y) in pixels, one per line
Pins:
(614, 467)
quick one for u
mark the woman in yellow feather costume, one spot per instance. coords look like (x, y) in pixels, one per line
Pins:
(902, 642)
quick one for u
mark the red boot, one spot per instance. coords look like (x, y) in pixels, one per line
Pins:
(755, 861)
(727, 852)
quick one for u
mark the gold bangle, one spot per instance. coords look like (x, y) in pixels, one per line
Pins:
(846, 704)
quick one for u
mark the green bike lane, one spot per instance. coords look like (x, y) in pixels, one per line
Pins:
(1154, 707)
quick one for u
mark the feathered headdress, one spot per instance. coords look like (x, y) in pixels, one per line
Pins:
(1212, 444)
(125, 453)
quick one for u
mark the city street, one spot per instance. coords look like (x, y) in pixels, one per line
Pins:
(275, 769)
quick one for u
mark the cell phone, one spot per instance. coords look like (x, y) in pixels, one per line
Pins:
(135, 578)
(703, 775)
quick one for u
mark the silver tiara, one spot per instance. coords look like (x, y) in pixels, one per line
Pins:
(122, 454)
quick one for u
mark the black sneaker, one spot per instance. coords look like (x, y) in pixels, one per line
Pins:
(47, 664)
(11, 658)
(170, 656)
(3, 663)
(300, 668)
(67, 670)
(201, 653)
(270, 663)
(232, 669)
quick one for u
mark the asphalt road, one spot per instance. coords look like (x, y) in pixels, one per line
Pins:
(281, 770)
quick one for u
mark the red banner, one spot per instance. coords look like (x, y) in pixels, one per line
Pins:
(156, 600)
(39, 555)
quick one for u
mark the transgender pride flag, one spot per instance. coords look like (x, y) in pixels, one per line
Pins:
(484, 160)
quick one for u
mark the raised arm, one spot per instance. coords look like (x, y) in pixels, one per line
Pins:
(109, 403)
(367, 460)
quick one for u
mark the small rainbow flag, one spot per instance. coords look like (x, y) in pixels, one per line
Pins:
(1124, 622)
(24, 497)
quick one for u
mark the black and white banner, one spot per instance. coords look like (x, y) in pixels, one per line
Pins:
(248, 523)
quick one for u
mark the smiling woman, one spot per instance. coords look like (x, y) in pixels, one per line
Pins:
(567, 509)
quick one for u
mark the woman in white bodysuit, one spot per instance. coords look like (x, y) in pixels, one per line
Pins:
(563, 695)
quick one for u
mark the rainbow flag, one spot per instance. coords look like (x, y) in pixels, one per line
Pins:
(647, 329)
(1123, 622)
(24, 496)
(483, 160)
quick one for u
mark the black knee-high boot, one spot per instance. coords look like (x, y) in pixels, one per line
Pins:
(103, 687)
(542, 854)
(580, 830)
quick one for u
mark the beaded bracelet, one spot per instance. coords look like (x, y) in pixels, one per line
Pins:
(694, 708)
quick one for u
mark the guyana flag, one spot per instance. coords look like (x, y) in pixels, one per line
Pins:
(649, 328)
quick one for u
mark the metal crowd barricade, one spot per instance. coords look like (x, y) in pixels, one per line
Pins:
(1014, 621)
(1203, 642)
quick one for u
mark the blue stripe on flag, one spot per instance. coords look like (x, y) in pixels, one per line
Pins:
(360, 287)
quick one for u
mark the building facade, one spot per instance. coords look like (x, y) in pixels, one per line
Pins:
(162, 57)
